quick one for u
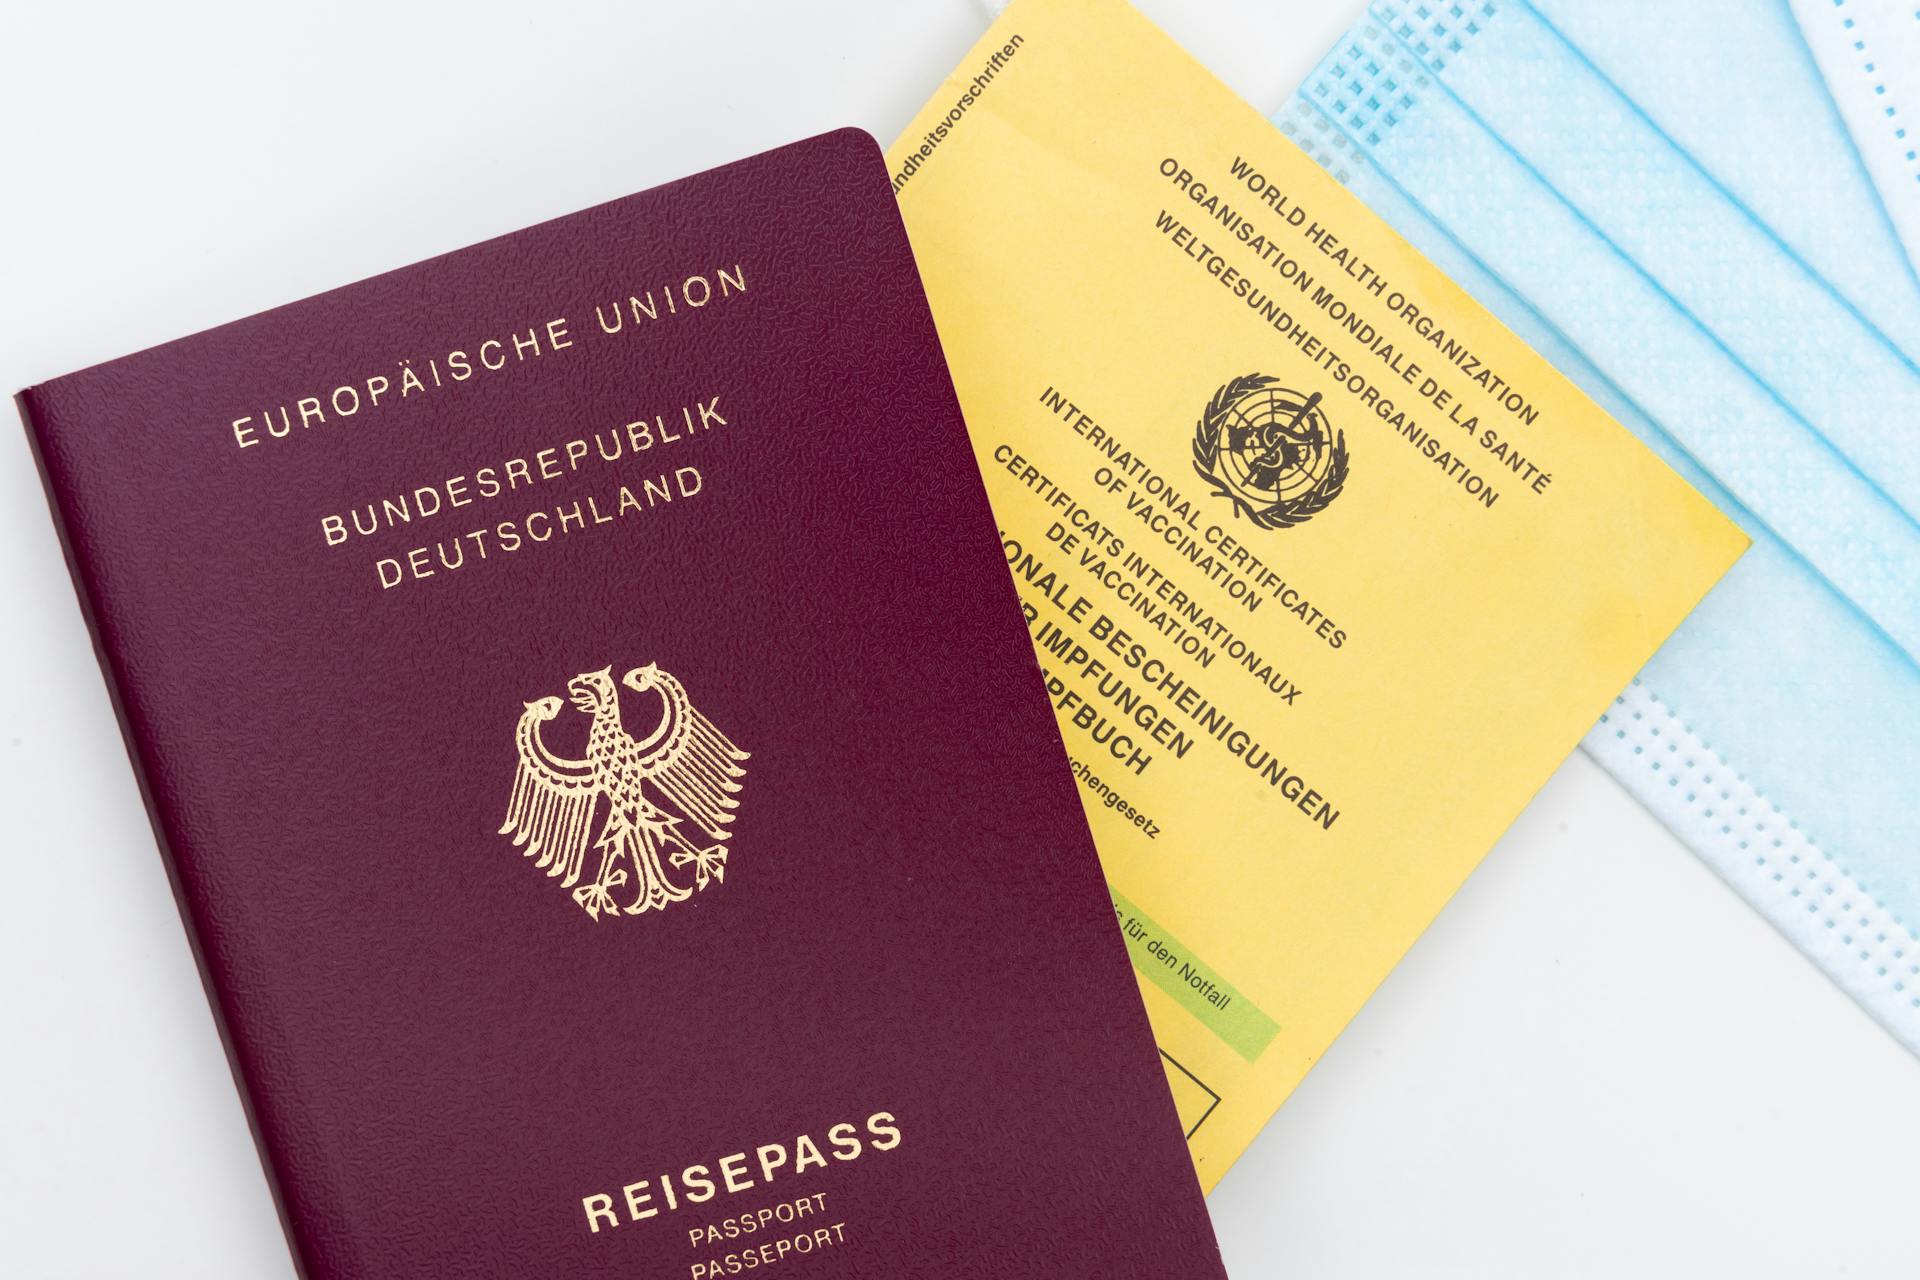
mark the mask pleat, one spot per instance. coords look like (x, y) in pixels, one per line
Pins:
(1624, 247)
(1659, 263)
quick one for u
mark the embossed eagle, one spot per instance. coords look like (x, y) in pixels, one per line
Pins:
(684, 773)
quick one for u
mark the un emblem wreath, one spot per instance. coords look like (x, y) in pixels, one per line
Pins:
(1270, 451)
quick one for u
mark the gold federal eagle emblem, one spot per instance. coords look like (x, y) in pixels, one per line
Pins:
(672, 793)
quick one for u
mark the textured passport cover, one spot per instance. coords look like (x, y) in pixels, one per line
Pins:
(794, 950)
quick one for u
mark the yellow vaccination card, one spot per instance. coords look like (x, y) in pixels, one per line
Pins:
(1326, 570)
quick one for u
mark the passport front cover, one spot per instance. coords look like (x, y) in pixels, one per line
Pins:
(601, 763)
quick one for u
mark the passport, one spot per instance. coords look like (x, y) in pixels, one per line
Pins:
(604, 774)
(1327, 571)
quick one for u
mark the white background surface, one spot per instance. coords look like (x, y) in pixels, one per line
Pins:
(1597, 1063)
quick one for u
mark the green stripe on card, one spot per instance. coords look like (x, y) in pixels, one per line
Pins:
(1195, 985)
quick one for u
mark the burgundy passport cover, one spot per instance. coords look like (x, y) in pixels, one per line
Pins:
(595, 743)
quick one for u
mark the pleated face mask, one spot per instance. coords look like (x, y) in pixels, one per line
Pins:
(1661, 199)
(1869, 53)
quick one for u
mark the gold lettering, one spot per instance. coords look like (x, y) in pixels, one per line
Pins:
(637, 1195)
(846, 1146)
(736, 1178)
(772, 1156)
(885, 1130)
(599, 1205)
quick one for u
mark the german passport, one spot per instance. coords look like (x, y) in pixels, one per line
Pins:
(595, 743)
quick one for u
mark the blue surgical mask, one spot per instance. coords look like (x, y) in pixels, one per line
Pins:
(1868, 51)
(1661, 199)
